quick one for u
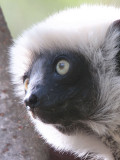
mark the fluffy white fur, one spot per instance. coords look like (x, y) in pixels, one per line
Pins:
(81, 29)
(79, 143)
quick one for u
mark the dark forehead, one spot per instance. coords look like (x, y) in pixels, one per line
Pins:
(48, 58)
(51, 55)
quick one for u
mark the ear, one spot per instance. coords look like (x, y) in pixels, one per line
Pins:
(116, 26)
(112, 43)
(113, 34)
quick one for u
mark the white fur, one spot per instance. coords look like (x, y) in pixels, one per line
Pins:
(81, 29)
(79, 143)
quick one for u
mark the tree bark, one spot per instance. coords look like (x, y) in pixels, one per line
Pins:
(18, 140)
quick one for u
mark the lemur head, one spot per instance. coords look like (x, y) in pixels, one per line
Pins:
(67, 69)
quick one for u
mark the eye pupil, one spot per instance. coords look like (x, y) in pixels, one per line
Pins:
(61, 65)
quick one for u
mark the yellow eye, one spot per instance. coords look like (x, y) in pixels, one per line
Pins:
(62, 67)
(26, 84)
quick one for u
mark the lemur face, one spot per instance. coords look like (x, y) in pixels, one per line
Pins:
(65, 86)
(67, 69)
(61, 88)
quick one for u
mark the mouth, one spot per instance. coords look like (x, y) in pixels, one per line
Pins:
(60, 121)
(67, 113)
(49, 116)
(63, 125)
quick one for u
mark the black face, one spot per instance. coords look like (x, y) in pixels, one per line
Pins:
(61, 98)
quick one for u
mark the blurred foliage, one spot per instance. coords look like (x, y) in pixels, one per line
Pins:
(20, 14)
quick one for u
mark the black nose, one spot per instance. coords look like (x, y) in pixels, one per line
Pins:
(31, 101)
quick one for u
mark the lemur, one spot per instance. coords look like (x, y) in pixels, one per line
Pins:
(66, 69)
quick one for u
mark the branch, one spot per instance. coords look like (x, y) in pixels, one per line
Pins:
(17, 138)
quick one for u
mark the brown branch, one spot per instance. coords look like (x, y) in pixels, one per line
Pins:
(17, 138)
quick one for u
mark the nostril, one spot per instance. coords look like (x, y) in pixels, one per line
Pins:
(31, 101)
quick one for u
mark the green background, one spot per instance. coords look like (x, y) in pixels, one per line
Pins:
(20, 14)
